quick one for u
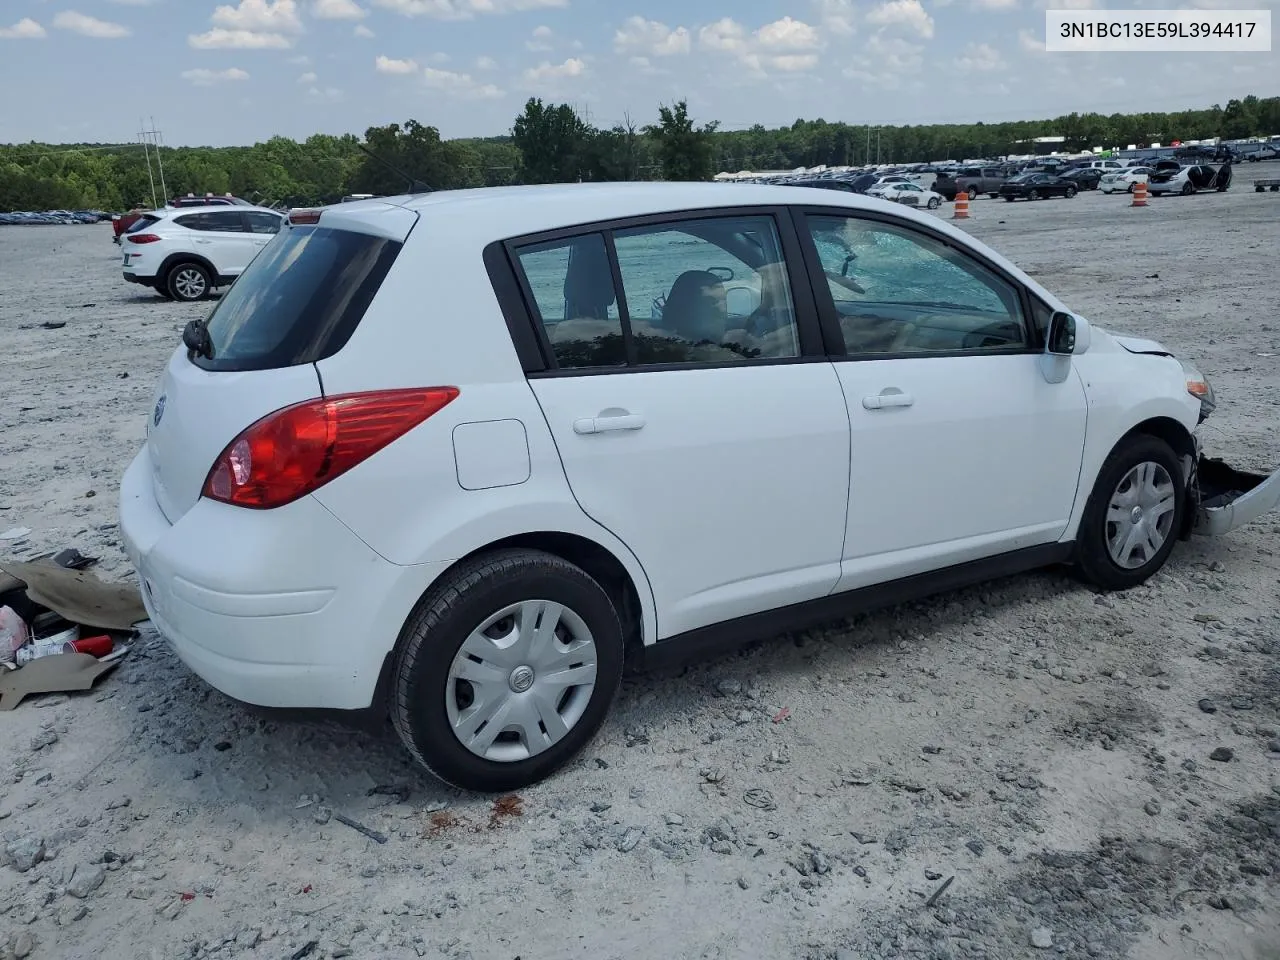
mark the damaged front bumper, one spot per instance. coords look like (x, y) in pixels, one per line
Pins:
(1225, 498)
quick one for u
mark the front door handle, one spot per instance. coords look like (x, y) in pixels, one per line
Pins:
(889, 397)
(605, 423)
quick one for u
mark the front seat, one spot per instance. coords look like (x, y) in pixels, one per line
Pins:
(695, 309)
(588, 282)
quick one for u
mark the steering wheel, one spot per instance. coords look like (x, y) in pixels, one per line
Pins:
(847, 282)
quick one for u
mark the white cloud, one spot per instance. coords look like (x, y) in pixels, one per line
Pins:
(459, 84)
(221, 39)
(980, 58)
(260, 16)
(301, 60)
(328, 94)
(88, 26)
(837, 16)
(308, 77)
(776, 46)
(651, 38)
(486, 63)
(787, 34)
(726, 34)
(395, 67)
(545, 72)
(885, 61)
(464, 9)
(792, 62)
(363, 32)
(541, 39)
(908, 14)
(24, 29)
(1029, 42)
(136, 3)
(207, 78)
(338, 10)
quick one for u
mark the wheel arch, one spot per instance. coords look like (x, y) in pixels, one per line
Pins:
(597, 560)
(173, 259)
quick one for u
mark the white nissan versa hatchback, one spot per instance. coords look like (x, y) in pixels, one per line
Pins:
(458, 453)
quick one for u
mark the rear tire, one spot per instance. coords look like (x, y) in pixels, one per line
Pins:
(188, 282)
(934, 203)
(504, 674)
(973, 194)
(1141, 491)
(1071, 192)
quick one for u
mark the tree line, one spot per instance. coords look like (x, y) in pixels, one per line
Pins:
(550, 143)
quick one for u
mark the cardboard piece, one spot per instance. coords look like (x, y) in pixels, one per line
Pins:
(59, 674)
(78, 596)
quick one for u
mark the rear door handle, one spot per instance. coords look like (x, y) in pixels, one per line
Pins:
(626, 421)
(889, 397)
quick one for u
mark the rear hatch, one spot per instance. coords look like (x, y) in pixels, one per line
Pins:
(298, 302)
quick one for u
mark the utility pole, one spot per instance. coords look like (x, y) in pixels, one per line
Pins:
(146, 152)
(155, 142)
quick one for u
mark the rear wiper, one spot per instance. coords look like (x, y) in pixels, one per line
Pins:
(195, 336)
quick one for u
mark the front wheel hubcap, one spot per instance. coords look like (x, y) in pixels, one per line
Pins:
(521, 681)
(1140, 515)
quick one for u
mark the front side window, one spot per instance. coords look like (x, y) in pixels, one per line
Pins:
(264, 222)
(899, 291)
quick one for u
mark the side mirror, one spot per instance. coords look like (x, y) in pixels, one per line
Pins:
(1062, 334)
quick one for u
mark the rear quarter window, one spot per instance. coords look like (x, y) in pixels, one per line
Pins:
(299, 300)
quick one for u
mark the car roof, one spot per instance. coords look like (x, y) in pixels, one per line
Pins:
(512, 211)
(171, 212)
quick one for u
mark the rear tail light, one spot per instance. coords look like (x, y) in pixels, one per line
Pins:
(143, 238)
(296, 450)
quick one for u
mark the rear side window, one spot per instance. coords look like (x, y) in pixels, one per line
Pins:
(299, 300)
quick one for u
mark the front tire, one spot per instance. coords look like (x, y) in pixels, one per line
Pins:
(934, 203)
(188, 282)
(506, 670)
(1071, 192)
(1134, 515)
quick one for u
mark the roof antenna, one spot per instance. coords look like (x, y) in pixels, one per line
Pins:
(415, 185)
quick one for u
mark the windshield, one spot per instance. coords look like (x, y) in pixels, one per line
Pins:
(300, 299)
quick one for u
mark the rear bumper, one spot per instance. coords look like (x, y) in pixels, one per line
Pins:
(1230, 498)
(143, 281)
(281, 608)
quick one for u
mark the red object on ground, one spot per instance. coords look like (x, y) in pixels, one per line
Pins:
(783, 714)
(99, 646)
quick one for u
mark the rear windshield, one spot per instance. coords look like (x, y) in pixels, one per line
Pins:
(300, 299)
(142, 223)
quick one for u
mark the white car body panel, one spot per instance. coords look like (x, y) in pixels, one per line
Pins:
(748, 487)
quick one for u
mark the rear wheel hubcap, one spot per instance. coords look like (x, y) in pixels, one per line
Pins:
(521, 681)
(189, 283)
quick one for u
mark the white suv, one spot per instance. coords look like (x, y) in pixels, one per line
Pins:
(185, 252)
(457, 455)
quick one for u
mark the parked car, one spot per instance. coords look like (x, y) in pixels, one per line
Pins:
(1085, 178)
(185, 253)
(911, 194)
(347, 498)
(821, 183)
(1254, 152)
(1124, 181)
(1184, 180)
(976, 180)
(946, 186)
(1037, 186)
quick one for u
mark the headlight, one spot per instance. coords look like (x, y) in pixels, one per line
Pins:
(1199, 387)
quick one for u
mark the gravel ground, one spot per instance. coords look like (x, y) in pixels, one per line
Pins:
(1051, 754)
